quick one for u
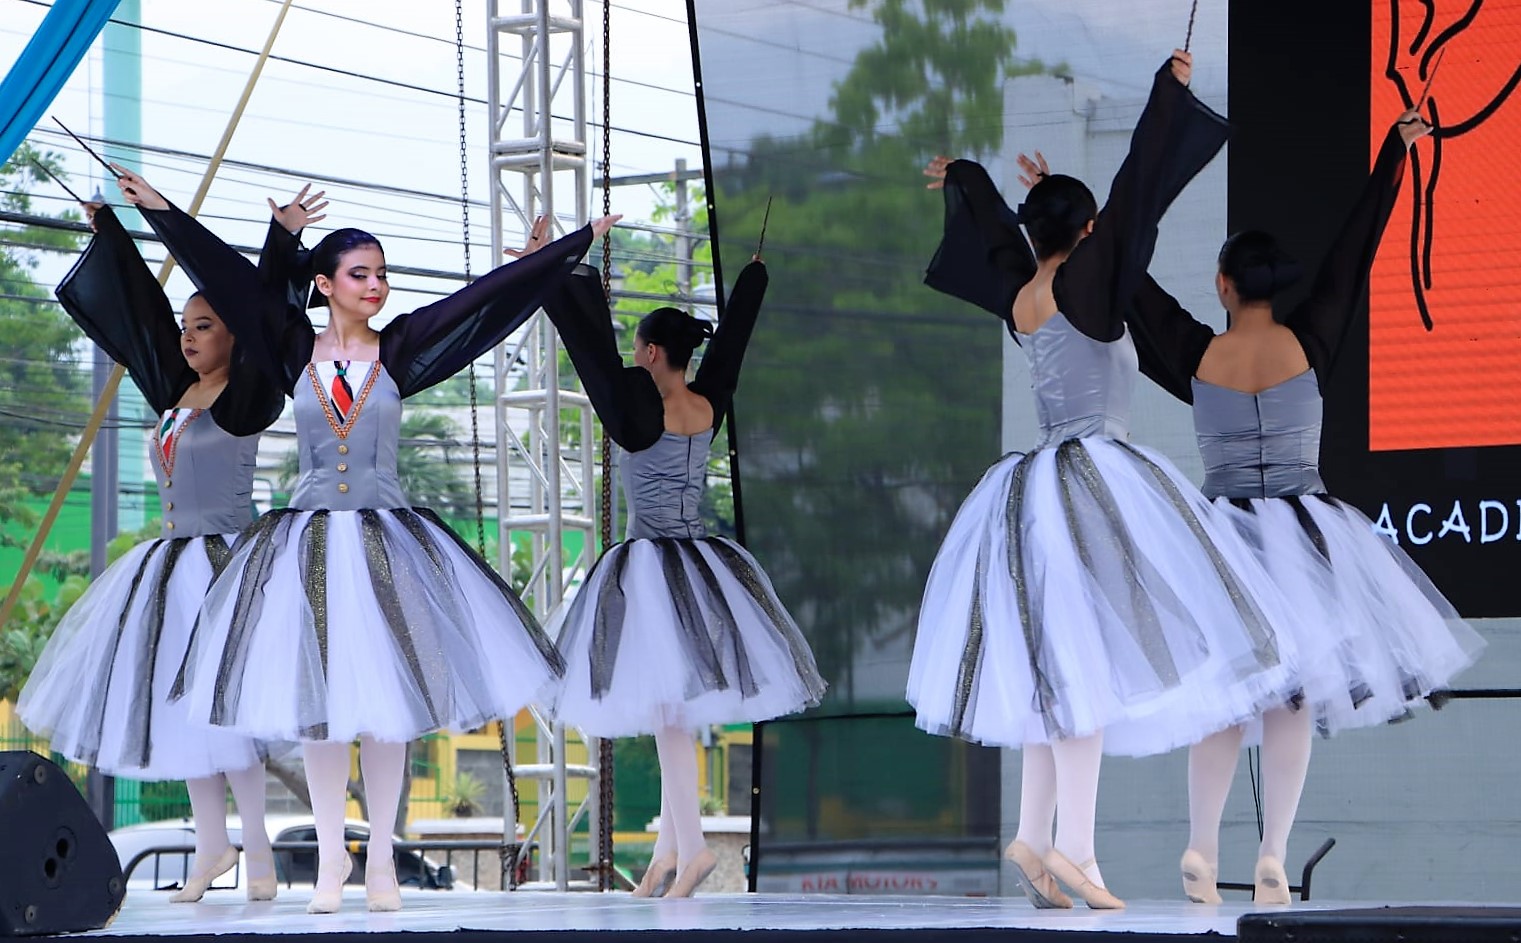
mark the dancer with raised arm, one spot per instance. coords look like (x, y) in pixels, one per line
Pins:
(674, 628)
(1086, 598)
(100, 691)
(1373, 633)
(351, 614)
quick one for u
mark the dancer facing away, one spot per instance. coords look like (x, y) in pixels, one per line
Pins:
(1374, 634)
(674, 629)
(1086, 597)
(350, 614)
(100, 691)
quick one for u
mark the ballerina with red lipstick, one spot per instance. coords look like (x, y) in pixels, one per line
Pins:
(351, 614)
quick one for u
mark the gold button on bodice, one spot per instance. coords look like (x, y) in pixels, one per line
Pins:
(169, 506)
(169, 524)
(343, 449)
(168, 482)
(343, 466)
(343, 488)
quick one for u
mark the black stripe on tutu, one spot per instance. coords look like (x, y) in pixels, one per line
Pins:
(728, 626)
(95, 706)
(541, 641)
(139, 741)
(706, 671)
(250, 600)
(607, 625)
(964, 709)
(1264, 643)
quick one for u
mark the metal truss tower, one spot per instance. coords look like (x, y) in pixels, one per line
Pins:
(541, 165)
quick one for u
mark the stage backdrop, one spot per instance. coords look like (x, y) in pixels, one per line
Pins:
(870, 405)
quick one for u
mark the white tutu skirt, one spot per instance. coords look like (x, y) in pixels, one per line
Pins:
(1090, 587)
(327, 625)
(676, 632)
(100, 691)
(1378, 633)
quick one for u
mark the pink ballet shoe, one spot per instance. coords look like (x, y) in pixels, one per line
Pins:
(1272, 883)
(656, 877)
(381, 892)
(1095, 896)
(1199, 880)
(327, 900)
(197, 883)
(696, 871)
(1037, 883)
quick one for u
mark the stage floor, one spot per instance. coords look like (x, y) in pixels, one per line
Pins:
(226, 915)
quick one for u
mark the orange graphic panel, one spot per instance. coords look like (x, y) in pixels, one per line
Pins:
(1445, 297)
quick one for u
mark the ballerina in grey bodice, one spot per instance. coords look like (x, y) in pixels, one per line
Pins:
(1372, 632)
(673, 629)
(350, 614)
(1082, 386)
(101, 689)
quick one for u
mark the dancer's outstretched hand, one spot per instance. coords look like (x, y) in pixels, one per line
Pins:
(90, 209)
(301, 211)
(137, 190)
(936, 169)
(1182, 66)
(1412, 126)
(538, 236)
(1032, 172)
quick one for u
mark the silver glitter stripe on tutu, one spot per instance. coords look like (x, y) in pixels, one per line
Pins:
(1115, 562)
(95, 706)
(313, 557)
(706, 670)
(781, 623)
(541, 641)
(250, 601)
(727, 629)
(1264, 644)
(139, 741)
(383, 582)
(607, 625)
(217, 553)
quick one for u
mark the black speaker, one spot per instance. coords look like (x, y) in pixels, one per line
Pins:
(58, 870)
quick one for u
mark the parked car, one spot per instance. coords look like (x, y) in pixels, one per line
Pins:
(161, 868)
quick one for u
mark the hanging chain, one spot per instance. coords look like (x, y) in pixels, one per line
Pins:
(510, 849)
(605, 745)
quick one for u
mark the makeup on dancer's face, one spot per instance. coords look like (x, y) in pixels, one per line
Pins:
(205, 341)
(360, 283)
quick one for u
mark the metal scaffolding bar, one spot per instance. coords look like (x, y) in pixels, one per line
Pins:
(545, 468)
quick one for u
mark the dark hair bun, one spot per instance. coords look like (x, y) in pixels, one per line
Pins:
(676, 331)
(1257, 266)
(1056, 212)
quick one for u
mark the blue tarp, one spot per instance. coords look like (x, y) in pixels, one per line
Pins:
(45, 64)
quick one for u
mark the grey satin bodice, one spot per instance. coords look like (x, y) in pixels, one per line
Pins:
(1260, 445)
(1082, 386)
(664, 485)
(208, 488)
(357, 470)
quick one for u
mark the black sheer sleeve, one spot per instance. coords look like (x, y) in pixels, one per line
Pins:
(284, 265)
(1169, 341)
(433, 343)
(624, 398)
(271, 336)
(1173, 140)
(116, 301)
(983, 257)
(718, 374)
(1341, 283)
